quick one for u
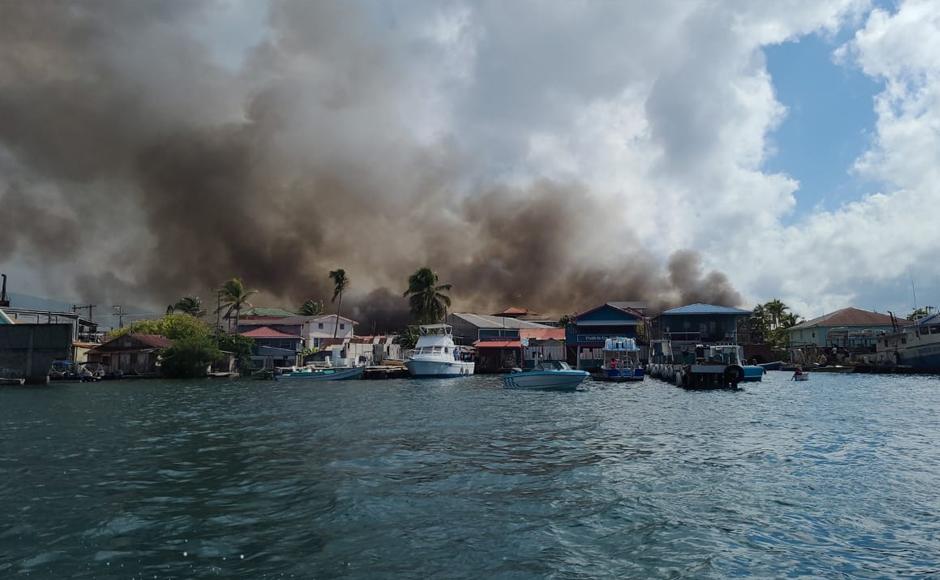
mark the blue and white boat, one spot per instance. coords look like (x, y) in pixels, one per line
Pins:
(321, 374)
(621, 361)
(549, 375)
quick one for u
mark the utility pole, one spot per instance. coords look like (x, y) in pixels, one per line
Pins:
(120, 313)
(218, 317)
(89, 307)
(4, 301)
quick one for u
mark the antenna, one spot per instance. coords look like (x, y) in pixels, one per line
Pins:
(913, 290)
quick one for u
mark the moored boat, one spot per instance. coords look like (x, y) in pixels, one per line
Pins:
(621, 361)
(915, 348)
(436, 355)
(546, 376)
(324, 374)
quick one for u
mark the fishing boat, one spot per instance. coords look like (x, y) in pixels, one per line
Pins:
(436, 355)
(915, 347)
(550, 375)
(621, 361)
(800, 377)
(321, 374)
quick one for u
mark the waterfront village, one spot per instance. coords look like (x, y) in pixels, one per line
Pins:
(236, 338)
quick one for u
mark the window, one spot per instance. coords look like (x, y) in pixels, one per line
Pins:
(320, 326)
(342, 327)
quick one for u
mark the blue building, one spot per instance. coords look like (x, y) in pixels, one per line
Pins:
(700, 323)
(585, 336)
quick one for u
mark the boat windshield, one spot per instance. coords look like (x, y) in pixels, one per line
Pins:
(553, 365)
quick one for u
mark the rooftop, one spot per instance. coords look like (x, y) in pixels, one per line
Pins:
(267, 332)
(267, 312)
(543, 333)
(849, 317)
(488, 321)
(699, 308)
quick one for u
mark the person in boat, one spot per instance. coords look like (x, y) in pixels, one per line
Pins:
(613, 363)
(797, 373)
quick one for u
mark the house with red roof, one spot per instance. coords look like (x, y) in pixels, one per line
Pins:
(131, 354)
(274, 347)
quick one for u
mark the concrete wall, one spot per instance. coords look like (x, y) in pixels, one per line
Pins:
(27, 350)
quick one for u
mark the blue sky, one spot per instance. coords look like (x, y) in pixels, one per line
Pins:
(829, 122)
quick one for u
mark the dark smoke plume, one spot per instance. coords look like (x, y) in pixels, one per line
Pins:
(128, 154)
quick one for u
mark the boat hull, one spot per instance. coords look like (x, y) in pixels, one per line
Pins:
(753, 373)
(442, 369)
(545, 380)
(619, 375)
(325, 375)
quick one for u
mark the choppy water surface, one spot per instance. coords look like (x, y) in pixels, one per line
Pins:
(834, 477)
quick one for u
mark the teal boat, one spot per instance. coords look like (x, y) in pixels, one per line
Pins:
(311, 374)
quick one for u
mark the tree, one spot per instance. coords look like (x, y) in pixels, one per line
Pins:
(238, 345)
(311, 308)
(770, 322)
(426, 298)
(173, 326)
(340, 283)
(191, 305)
(234, 298)
(565, 320)
(189, 357)
(408, 338)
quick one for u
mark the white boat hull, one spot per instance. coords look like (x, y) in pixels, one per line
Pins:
(436, 368)
(545, 380)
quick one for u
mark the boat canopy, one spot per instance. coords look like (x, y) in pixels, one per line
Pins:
(621, 345)
(435, 328)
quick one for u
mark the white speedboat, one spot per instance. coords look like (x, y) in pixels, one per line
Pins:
(550, 375)
(436, 355)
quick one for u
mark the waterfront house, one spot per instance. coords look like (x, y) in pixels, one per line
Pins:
(699, 324)
(274, 347)
(585, 335)
(131, 354)
(314, 330)
(497, 339)
(540, 344)
(850, 328)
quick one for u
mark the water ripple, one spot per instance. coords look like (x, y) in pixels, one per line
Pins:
(462, 479)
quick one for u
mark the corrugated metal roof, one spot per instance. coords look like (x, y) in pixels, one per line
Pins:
(849, 317)
(268, 312)
(699, 308)
(543, 333)
(486, 321)
(498, 344)
(267, 332)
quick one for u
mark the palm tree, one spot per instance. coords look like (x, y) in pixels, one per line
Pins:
(311, 308)
(234, 298)
(190, 305)
(776, 310)
(340, 283)
(427, 298)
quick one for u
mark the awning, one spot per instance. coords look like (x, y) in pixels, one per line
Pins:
(498, 344)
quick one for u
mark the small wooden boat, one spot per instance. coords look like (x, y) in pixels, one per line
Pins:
(328, 374)
(549, 375)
